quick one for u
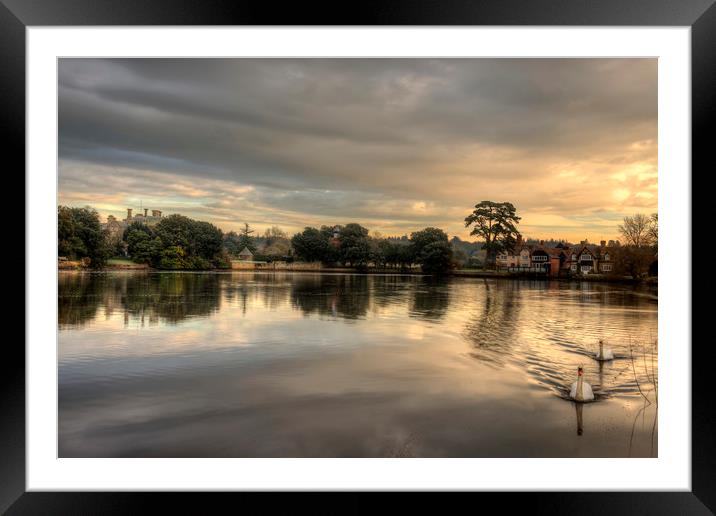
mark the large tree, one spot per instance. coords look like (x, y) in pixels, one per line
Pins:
(496, 223)
(354, 247)
(80, 235)
(196, 238)
(311, 245)
(636, 230)
(431, 249)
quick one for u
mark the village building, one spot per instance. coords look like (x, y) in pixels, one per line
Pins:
(115, 227)
(591, 259)
(149, 220)
(561, 260)
(246, 254)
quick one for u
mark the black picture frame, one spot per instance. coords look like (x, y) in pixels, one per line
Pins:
(700, 15)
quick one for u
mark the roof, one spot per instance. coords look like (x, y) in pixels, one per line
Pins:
(246, 251)
(555, 251)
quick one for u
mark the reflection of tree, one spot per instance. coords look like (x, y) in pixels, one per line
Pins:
(168, 296)
(430, 298)
(79, 297)
(247, 289)
(389, 289)
(346, 296)
(491, 329)
(178, 296)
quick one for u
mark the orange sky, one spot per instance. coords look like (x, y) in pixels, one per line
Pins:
(394, 144)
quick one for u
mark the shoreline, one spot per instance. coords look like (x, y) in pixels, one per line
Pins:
(347, 270)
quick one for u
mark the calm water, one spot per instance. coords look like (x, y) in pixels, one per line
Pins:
(312, 365)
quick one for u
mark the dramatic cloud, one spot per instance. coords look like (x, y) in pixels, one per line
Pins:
(395, 144)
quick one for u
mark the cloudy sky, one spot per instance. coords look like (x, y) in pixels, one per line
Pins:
(394, 144)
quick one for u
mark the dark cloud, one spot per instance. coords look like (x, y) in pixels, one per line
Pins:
(343, 138)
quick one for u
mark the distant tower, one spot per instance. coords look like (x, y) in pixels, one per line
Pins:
(145, 211)
(129, 214)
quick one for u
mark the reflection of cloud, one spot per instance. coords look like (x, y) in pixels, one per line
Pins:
(397, 144)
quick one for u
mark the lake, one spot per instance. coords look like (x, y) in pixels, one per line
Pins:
(347, 365)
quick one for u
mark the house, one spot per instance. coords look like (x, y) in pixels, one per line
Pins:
(510, 257)
(591, 259)
(246, 254)
(557, 258)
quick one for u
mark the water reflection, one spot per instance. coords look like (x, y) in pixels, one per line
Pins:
(283, 365)
(491, 329)
(346, 296)
(147, 297)
(430, 299)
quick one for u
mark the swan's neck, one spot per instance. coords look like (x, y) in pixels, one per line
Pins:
(580, 395)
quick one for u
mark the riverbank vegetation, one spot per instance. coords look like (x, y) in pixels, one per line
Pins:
(177, 242)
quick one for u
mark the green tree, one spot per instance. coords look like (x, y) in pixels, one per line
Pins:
(207, 240)
(196, 238)
(135, 233)
(311, 245)
(80, 235)
(354, 249)
(148, 250)
(430, 248)
(496, 223)
(172, 257)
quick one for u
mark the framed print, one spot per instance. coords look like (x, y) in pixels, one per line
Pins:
(419, 253)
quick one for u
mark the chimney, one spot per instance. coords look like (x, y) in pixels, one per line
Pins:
(603, 243)
(519, 239)
(129, 213)
(541, 242)
(145, 211)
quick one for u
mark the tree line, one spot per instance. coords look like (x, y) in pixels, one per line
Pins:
(179, 242)
(352, 246)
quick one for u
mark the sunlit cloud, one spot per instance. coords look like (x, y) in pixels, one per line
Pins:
(394, 144)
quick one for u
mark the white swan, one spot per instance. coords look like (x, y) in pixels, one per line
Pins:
(604, 353)
(581, 390)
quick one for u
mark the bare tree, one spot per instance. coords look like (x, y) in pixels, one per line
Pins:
(654, 229)
(636, 230)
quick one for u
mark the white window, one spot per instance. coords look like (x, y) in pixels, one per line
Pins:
(585, 257)
(607, 267)
(606, 256)
(586, 269)
(574, 267)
